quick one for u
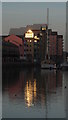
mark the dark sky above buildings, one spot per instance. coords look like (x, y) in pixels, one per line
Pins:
(20, 14)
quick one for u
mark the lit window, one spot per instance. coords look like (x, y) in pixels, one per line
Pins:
(43, 28)
(29, 34)
(27, 40)
(30, 41)
(40, 34)
(35, 40)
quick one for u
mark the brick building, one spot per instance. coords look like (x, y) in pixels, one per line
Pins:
(10, 52)
(35, 45)
(55, 46)
(52, 45)
(16, 41)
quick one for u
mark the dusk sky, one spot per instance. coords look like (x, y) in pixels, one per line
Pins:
(20, 14)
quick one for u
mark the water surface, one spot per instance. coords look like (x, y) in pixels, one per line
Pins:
(33, 93)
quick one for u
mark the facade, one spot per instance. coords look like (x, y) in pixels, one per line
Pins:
(67, 31)
(16, 41)
(10, 52)
(67, 26)
(60, 49)
(60, 45)
(52, 45)
(55, 46)
(35, 45)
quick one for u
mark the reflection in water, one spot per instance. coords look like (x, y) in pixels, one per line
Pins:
(30, 92)
(38, 91)
(34, 87)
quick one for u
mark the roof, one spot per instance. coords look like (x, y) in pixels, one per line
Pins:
(14, 39)
(35, 26)
(53, 33)
(60, 36)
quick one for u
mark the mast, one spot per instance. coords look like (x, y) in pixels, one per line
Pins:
(47, 32)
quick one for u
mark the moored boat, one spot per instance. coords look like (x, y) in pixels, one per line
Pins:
(48, 66)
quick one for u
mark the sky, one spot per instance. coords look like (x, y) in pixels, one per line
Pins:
(20, 14)
(34, 0)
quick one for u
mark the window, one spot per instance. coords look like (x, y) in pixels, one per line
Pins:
(30, 40)
(53, 43)
(34, 50)
(24, 43)
(38, 35)
(53, 37)
(24, 49)
(27, 40)
(20, 45)
(34, 55)
(35, 41)
(24, 55)
(53, 50)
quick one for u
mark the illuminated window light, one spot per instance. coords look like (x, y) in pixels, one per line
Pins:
(29, 34)
(27, 40)
(35, 40)
(43, 28)
(40, 34)
(30, 40)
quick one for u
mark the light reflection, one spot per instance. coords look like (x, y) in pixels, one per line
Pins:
(34, 87)
(35, 40)
(30, 93)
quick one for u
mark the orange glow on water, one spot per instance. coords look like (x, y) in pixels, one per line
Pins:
(30, 93)
(35, 88)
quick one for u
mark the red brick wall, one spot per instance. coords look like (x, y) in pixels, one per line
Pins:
(52, 44)
(16, 41)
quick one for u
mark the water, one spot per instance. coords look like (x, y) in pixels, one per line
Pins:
(33, 93)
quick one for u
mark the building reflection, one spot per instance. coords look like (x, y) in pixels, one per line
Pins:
(53, 80)
(30, 92)
(32, 86)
